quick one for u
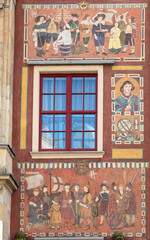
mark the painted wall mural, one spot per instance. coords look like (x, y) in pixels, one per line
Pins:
(83, 198)
(84, 30)
(127, 108)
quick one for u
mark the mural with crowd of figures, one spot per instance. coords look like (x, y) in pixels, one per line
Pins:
(83, 198)
(84, 30)
(127, 108)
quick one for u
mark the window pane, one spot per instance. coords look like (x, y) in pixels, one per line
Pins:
(60, 102)
(47, 140)
(89, 122)
(60, 123)
(89, 140)
(77, 102)
(48, 85)
(89, 102)
(77, 84)
(60, 85)
(47, 104)
(89, 85)
(59, 140)
(77, 122)
(47, 122)
(76, 140)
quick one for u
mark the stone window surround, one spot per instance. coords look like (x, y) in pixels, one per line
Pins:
(35, 153)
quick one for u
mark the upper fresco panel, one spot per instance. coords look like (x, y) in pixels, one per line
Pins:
(97, 31)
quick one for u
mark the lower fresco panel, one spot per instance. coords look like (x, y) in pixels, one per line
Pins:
(83, 199)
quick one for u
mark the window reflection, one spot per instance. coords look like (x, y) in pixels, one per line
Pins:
(60, 122)
(90, 85)
(59, 140)
(48, 85)
(76, 140)
(77, 122)
(60, 85)
(77, 102)
(77, 84)
(47, 122)
(47, 140)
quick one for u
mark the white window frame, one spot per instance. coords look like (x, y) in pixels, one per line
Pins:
(35, 153)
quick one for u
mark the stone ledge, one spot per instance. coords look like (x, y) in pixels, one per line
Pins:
(9, 182)
(8, 148)
(66, 155)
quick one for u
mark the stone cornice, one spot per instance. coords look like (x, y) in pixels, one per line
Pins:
(6, 3)
(8, 148)
(9, 182)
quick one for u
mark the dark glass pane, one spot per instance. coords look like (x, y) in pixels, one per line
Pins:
(48, 85)
(90, 85)
(77, 122)
(89, 122)
(77, 102)
(60, 102)
(89, 140)
(77, 84)
(60, 122)
(59, 140)
(89, 102)
(47, 103)
(76, 140)
(47, 140)
(47, 122)
(60, 85)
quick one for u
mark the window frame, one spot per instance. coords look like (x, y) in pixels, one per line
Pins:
(68, 112)
(91, 69)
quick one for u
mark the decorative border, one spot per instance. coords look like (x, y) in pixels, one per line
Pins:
(142, 6)
(46, 165)
(24, 108)
(77, 6)
(136, 113)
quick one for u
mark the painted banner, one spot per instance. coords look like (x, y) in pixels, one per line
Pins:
(83, 199)
(101, 31)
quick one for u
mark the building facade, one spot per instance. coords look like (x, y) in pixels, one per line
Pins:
(74, 119)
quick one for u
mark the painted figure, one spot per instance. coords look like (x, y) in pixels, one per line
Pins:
(98, 32)
(74, 28)
(103, 198)
(55, 214)
(40, 33)
(113, 201)
(121, 25)
(52, 31)
(86, 29)
(45, 197)
(127, 101)
(35, 209)
(123, 203)
(131, 210)
(85, 207)
(64, 41)
(77, 198)
(66, 206)
(114, 42)
(130, 35)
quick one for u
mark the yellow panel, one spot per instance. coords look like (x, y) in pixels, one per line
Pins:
(127, 153)
(23, 120)
(139, 68)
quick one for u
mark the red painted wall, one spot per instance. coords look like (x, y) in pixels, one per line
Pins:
(24, 155)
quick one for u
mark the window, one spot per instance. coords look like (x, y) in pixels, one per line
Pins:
(37, 152)
(68, 112)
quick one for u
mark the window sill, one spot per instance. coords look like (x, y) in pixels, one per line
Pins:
(66, 155)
